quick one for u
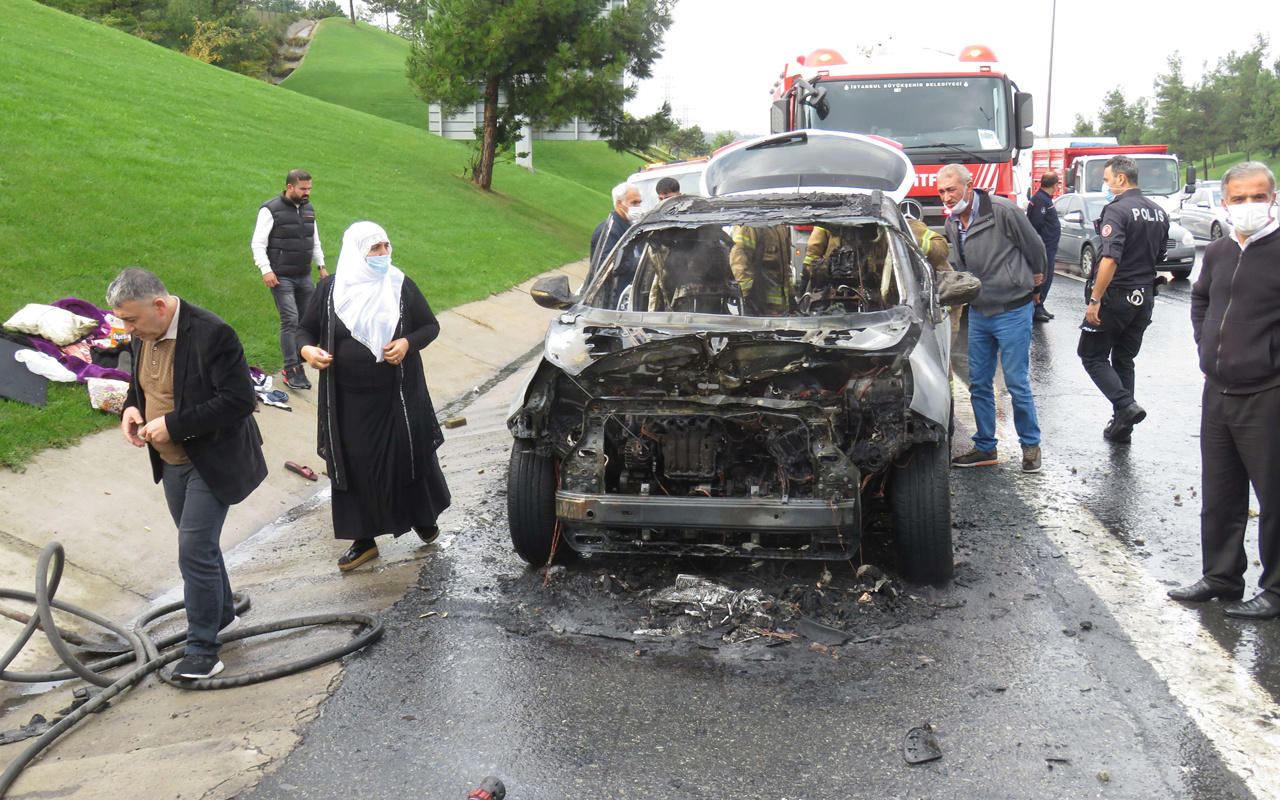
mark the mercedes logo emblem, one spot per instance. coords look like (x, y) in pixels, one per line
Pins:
(910, 208)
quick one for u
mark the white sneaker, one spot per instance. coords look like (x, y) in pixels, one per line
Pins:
(230, 626)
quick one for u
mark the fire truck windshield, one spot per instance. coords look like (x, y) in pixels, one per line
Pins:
(969, 112)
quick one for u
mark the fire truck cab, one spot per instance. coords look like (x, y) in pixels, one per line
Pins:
(940, 108)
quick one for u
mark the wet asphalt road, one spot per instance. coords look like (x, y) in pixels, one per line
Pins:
(1052, 668)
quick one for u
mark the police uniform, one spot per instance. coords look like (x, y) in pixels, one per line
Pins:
(761, 263)
(1135, 232)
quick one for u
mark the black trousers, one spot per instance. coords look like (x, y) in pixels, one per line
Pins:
(1240, 445)
(1043, 288)
(1108, 353)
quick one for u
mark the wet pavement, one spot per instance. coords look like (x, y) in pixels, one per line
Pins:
(1053, 667)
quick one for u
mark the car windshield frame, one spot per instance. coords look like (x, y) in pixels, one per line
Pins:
(762, 211)
(871, 105)
(798, 161)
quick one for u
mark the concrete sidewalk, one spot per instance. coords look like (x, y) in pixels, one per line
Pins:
(97, 498)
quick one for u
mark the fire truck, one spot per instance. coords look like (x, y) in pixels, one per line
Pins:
(941, 109)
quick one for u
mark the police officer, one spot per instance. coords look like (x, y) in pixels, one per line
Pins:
(1121, 292)
(1044, 218)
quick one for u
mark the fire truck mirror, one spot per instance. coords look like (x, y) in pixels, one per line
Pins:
(1026, 117)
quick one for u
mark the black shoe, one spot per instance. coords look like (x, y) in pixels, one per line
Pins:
(1109, 433)
(1124, 420)
(361, 550)
(1202, 591)
(1041, 315)
(1264, 606)
(427, 533)
(295, 378)
(194, 668)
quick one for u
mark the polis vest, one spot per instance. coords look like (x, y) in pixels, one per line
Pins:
(292, 237)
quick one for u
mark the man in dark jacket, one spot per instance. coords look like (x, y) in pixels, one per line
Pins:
(285, 242)
(1235, 316)
(626, 212)
(1044, 218)
(1121, 293)
(191, 402)
(992, 238)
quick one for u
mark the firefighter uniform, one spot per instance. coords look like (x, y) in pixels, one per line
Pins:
(761, 263)
(1135, 232)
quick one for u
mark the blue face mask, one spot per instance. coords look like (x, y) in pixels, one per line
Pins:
(1106, 190)
(379, 264)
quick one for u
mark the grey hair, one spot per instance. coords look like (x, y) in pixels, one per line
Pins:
(1247, 169)
(134, 284)
(1123, 165)
(620, 191)
(957, 171)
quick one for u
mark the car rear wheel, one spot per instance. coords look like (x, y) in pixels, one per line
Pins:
(1215, 231)
(922, 515)
(1086, 261)
(1180, 274)
(531, 502)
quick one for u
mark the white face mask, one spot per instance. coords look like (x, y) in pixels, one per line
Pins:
(960, 206)
(1249, 218)
(634, 213)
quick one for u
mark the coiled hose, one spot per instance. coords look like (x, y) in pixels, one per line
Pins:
(146, 652)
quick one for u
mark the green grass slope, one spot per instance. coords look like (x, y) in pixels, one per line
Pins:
(117, 152)
(362, 67)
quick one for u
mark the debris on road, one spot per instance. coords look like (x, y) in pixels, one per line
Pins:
(491, 788)
(920, 745)
(455, 422)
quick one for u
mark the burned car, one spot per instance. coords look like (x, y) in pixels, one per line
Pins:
(663, 418)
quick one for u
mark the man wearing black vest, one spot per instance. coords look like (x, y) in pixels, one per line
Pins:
(285, 242)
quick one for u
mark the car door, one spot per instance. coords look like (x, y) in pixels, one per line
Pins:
(1197, 213)
(1072, 228)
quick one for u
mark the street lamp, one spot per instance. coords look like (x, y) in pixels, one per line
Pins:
(1048, 100)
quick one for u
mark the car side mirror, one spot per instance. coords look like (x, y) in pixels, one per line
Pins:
(1075, 216)
(552, 292)
(956, 288)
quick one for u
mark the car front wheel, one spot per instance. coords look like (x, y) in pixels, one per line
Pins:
(531, 502)
(1086, 261)
(922, 515)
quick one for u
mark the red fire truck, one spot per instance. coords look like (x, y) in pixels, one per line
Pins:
(942, 109)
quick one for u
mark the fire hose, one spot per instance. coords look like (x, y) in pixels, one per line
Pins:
(149, 654)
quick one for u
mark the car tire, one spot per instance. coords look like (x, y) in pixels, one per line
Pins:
(1180, 274)
(921, 498)
(1086, 261)
(531, 502)
(1215, 231)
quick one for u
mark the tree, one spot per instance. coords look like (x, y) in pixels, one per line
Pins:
(540, 61)
(1173, 117)
(1117, 117)
(723, 138)
(1083, 127)
(688, 142)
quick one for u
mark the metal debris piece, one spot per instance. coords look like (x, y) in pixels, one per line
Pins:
(455, 422)
(36, 727)
(491, 788)
(811, 629)
(81, 696)
(920, 745)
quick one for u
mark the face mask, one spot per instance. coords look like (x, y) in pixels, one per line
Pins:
(1249, 218)
(960, 207)
(634, 213)
(1106, 191)
(379, 264)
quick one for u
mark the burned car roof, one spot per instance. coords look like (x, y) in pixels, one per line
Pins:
(771, 209)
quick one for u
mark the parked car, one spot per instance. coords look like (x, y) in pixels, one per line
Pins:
(1202, 212)
(688, 173)
(1080, 240)
(674, 424)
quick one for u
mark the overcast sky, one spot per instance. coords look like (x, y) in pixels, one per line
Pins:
(721, 57)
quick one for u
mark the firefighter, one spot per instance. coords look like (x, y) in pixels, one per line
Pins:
(1121, 292)
(761, 263)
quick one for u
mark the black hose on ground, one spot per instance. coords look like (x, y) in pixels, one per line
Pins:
(146, 652)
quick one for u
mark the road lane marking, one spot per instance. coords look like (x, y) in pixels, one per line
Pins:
(1229, 707)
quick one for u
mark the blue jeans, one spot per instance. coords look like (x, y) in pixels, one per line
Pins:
(206, 589)
(1007, 336)
(292, 297)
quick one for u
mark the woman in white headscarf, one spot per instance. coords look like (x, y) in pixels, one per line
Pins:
(377, 430)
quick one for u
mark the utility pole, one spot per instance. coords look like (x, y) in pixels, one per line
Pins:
(1048, 100)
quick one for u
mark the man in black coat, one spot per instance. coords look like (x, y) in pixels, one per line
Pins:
(1044, 218)
(626, 212)
(1235, 315)
(191, 402)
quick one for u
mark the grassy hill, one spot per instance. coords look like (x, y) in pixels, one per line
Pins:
(362, 67)
(1223, 163)
(117, 152)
